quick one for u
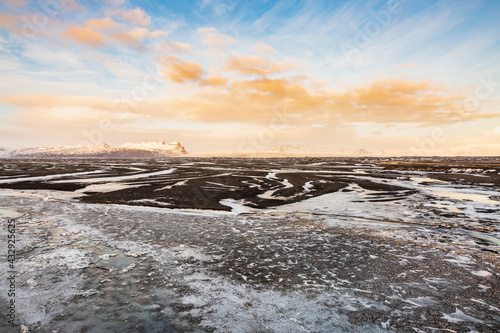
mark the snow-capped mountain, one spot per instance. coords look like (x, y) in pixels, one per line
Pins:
(64, 150)
(172, 147)
(101, 150)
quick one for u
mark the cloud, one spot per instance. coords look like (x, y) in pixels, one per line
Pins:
(102, 24)
(16, 3)
(86, 36)
(174, 47)
(405, 66)
(382, 101)
(50, 101)
(9, 22)
(136, 36)
(180, 71)
(157, 33)
(218, 42)
(117, 66)
(133, 37)
(92, 33)
(214, 81)
(70, 5)
(398, 100)
(219, 6)
(256, 65)
(260, 102)
(263, 48)
(135, 16)
(115, 2)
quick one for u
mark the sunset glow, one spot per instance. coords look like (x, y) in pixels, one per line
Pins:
(402, 77)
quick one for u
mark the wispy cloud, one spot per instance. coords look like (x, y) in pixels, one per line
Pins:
(229, 64)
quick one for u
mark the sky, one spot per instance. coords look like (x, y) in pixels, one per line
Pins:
(411, 77)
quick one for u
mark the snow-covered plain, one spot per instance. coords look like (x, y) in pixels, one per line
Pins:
(423, 259)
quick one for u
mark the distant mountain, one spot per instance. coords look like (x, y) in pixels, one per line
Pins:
(172, 147)
(101, 150)
(353, 152)
(492, 149)
(297, 149)
(289, 149)
(476, 150)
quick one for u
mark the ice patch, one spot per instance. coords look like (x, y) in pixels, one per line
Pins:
(106, 187)
(422, 301)
(26, 179)
(453, 194)
(10, 213)
(481, 273)
(459, 316)
(168, 187)
(236, 206)
(71, 258)
(271, 175)
(308, 186)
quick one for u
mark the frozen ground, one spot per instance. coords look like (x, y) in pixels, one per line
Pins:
(420, 257)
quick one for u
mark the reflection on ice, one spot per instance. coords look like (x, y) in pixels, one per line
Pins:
(459, 195)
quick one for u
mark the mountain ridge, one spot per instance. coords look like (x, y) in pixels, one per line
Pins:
(100, 150)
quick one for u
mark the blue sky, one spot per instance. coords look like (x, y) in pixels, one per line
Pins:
(215, 74)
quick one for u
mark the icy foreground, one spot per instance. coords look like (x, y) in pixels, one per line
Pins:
(104, 268)
(273, 246)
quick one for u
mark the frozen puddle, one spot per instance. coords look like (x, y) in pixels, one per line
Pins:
(349, 203)
(10, 213)
(477, 197)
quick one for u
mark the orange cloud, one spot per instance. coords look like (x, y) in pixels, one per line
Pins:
(175, 47)
(135, 16)
(86, 36)
(256, 101)
(70, 5)
(179, 71)
(102, 24)
(9, 22)
(214, 81)
(256, 65)
(382, 101)
(50, 101)
(263, 48)
(135, 36)
(16, 3)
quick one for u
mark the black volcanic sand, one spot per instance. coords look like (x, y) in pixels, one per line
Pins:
(441, 169)
(43, 186)
(207, 181)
